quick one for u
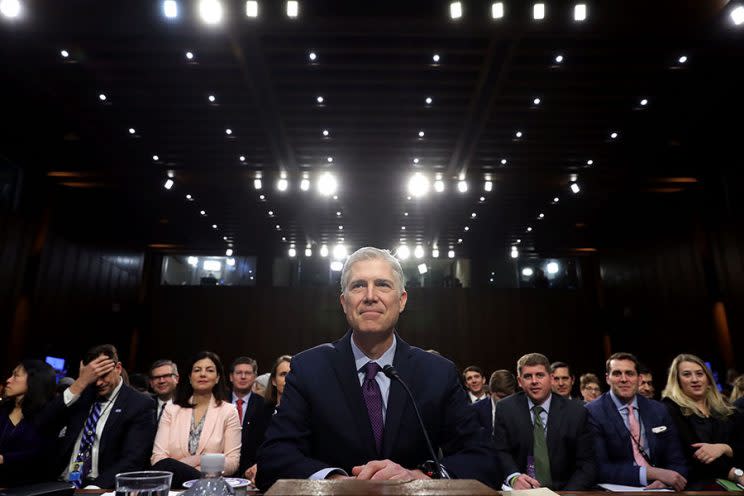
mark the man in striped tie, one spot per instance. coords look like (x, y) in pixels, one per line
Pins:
(109, 427)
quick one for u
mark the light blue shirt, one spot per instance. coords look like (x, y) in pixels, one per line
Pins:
(245, 399)
(622, 409)
(543, 416)
(360, 360)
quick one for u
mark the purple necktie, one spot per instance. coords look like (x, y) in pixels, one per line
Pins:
(373, 399)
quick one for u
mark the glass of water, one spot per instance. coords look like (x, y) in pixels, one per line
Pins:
(145, 483)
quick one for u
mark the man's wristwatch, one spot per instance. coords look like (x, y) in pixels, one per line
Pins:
(738, 474)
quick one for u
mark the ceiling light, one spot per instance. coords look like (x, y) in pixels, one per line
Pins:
(189, 55)
(305, 184)
(323, 251)
(338, 213)
(538, 11)
(214, 226)
(170, 9)
(418, 252)
(529, 229)
(514, 253)
(251, 8)
(320, 99)
(189, 198)
(644, 102)
(340, 252)
(210, 11)
(503, 161)
(580, 12)
(340, 228)
(737, 15)
(518, 134)
(168, 184)
(428, 100)
(257, 184)
(102, 97)
(228, 131)
(64, 53)
(527, 272)
(171, 174)
(418, 185)
(466, 229)
(459, 240)
(536, 101)
(212, 265)
(293, 8)
(575, 188)
(556, 199)
(682, 59)
(278, 227)
(416, 160)
(230, 262)
(242, 158)
(552, 267)
(155, 158)
(541, 216)
(435, 253)
(282, 184)
(312, 56)
(292, 252)
(451, 254)
(325, 132)
(403, 252)
(439, 186)
(327, 184)
(271, 213)
(203, 213)
(482, 199)
(337, 266)
(261, 197)
(497, 10)
(229, 252)
(473, 215)
(10, 8)
(488, 186)
(308, 252)
(613, 135)
(590, 162)
(421, 134)
(131, 130)
(558, 59)
(435, 58)
(455, 10)
(193, 261)
(211, 98)
(422, 268)
(402, 228)
(462, 186)
(330, 160)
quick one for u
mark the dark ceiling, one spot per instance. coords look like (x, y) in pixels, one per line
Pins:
(374, 69)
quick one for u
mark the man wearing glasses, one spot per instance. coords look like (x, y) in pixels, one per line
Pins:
(163, 381)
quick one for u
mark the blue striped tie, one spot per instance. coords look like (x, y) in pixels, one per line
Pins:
(86, 443)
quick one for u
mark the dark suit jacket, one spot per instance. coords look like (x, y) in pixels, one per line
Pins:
(613, 445)
(569, 440)
(254, 426)
(322, 421)
(126, 441)
(484, 411)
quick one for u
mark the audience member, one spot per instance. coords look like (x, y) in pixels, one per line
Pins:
(23, 445)
(108, 426)
(277, 380)
(502, 384)
(63, 384)
(589, 387)
(543, 439)
(200, 420)
(139, 382)
(163, 381)
(251, 413)
(562, 380)
(340, 415)
(475, 381)
(712, 432)
(260, 384)
(636, 441)
(646, 383)
(737, 393)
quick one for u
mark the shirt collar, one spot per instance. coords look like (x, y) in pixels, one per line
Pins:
(245, 398)
(360, 359)
(622, 406)
(545, 404)
(113, 393)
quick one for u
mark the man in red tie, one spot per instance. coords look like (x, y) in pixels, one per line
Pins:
(251, 412)
(636, 442)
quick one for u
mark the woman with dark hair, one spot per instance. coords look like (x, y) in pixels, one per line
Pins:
(200, 420)
(22, 443)
(277, 379)
(712, 432)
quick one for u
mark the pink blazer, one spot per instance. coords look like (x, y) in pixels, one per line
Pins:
(221, 434)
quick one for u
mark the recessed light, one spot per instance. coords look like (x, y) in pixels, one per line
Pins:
(459, 240)
(189, 198)
(64, 53)
(435, 58)
(482, 199)
(429, 100)
(415, 160)
(10, 8)
(541, 216)
(682, 59)
(214, 226)
(190, 55)
(340, 228)
(497, 10)
(282, 184)
(210, 11)
(462, 186)
(203, 212)
(575, 188)
(305, 184)
(211, 98)
(326, 132)
(488, 186)
(613, 135)
(170, 9)
(529, 229)
(503, 161)
(536, 101)
(312, 56)
(421, 134)
(451, 254)
(242, 158)
(228, 131)
(102, 97)
(518, 134)
(556, 199)
(131, 130)
(330, 160)
(580, 12)
(278, 227)
(644, 102)
(467, 228)
(538, 11)
(293, 8)
(251, 8)
(402, 228)
(558, 59)
(320, 99)
(168, 184)
(155, 158)
(439, 186)
(590, 162)
(455, 10)
(338, 214)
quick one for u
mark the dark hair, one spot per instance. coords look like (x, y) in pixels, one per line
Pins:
(244, 360)
(162, 363)
(473, 368)
(560, 365)
(185, 391)
(642, 369)
(271, 395)
(622, 356)
(502, 381)
(108, 350)
(139, 382)
(40, 386)
(587, 379)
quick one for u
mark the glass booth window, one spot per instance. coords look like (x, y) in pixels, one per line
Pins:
(191, 270)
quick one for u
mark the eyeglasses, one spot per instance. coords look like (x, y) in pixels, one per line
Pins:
(593, 388)
(164, 376)
(243, 373)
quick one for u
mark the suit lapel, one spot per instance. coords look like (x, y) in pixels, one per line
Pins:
(250, 410)
(348, 378)
(648, 422)
(617, 421)
(555, 421)
(116, 411)
(397, 398)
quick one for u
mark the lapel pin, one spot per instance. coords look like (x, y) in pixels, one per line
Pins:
(659, 430)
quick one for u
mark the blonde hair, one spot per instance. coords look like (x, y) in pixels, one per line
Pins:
(715, 401)
(738, 390)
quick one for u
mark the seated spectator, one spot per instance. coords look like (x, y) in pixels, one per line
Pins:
(561, 379)
(589, 387)
(635, 439)
(475, 382)
(163, 381)
(200, 420)
(22, 444)
(737, 393)
(712, 432)
(108, 426)
(260, 384)
(501, 385)
(646, 383)
(277, 379)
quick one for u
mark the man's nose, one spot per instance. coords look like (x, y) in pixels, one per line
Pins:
(369, 294)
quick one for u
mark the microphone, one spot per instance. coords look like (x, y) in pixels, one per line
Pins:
(390, 371)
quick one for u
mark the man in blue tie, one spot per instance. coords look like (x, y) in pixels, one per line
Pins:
(341, 416)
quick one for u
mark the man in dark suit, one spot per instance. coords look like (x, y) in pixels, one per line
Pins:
(543, 439)
(501, 385)
(108, 426)
(635, 438)
(251, 413)
(340, 416)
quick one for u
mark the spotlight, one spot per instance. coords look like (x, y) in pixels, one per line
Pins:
(497, 10)
(422, 268)
(552, 267)
(324, 251)
(10, 8)
(462, 186)
(580, 12)
(538, 11)
(575, 188)
(251, 8)
(168, 184)
(737, 15)
(418, 185)
(170, 9)
(527, 272)
(293, 9)
(327, 184)
(455, 10)
(418, 252)
(282, 184)
(403, 252)
(451, 254)
(211, 11)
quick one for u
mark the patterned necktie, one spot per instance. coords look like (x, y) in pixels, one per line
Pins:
(373, 399)
(85, 453)
(635, 433)
(239, 402)
(540, 450)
